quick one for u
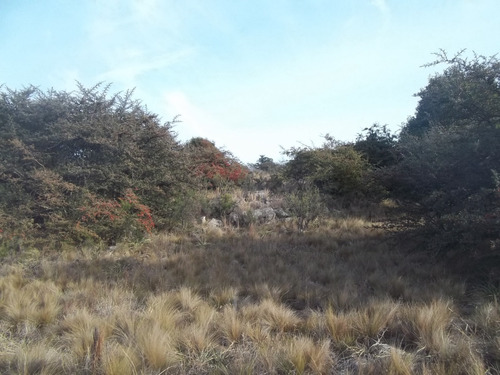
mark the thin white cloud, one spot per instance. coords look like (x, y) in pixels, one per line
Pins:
(129, 65)
(66, 78)
(381, 5)
(129, 39)
(195, 121)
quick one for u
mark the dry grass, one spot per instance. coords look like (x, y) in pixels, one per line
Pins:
(344, 298)
(400, 362)
(306, 355)
(156, 346)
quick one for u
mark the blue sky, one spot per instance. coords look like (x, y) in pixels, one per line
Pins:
(251, 75)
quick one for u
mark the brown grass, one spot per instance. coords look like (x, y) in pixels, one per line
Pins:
(344, 298)
(306, 355)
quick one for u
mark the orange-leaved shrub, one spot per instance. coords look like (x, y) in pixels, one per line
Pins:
(112, 220)
(216, 168)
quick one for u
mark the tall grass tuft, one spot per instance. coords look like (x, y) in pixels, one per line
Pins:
(375, 318)
(306, 355)
(272, 316)
(230, 325)
(400, 362)
(156, 346)
(341, 328)
(431, 323)
(120, 360)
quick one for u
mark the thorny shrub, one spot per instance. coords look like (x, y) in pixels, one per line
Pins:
(215, 167)
(112, 220)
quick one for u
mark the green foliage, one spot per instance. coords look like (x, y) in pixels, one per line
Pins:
(266, 175)
(266, 164)
(221, 206)
(113, 220)
(184, 209)
(57, 148)
(336, 169)
(305, 204)
(378, 146)
(460, 146)
(468, 91)
(450, 152)
(446, 160)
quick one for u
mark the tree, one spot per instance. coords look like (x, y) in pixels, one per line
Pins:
(378, 146)
(450, 158)
(467, 92)
(453, 140)
(61, 151)
(265, 164)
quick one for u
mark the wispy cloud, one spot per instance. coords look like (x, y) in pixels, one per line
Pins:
(129, 65)
(195, 121)
(128, 39)
(381, 5)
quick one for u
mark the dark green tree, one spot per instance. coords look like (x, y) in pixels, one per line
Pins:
(60, 151)
(466, 93)
(266, 164)
(450, 158)
(378, 145)
(452, 141)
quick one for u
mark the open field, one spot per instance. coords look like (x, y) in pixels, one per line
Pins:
(343, 298)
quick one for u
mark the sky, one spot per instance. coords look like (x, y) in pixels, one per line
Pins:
(254, 76)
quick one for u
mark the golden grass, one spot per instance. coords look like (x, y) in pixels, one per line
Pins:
(231, 326)
(77, 333)
(400, 363)
(156, 346)
(343, 298)
(340, 327)
(273, 317)
(306, 355)
(35, 302)
(431, 324)
(38, 359)
(120, 360)
(373, 320)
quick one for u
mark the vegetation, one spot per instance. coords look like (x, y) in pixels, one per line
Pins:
(62, 152)
(217, 168)
(125, 251)
(336, 169)
(450, 160)
(378, 146)
(344, 298)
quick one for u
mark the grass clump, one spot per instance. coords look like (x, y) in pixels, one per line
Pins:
(336, 299)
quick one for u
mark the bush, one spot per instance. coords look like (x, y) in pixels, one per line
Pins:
(114, 220)
(378, 146)
(58, 149)
(449, 159)
(305, 204)
(216, 168)
(222, 206)
(336, 169)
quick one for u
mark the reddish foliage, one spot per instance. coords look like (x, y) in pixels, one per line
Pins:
(142, 211)
(112, 219)
(215, 165)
